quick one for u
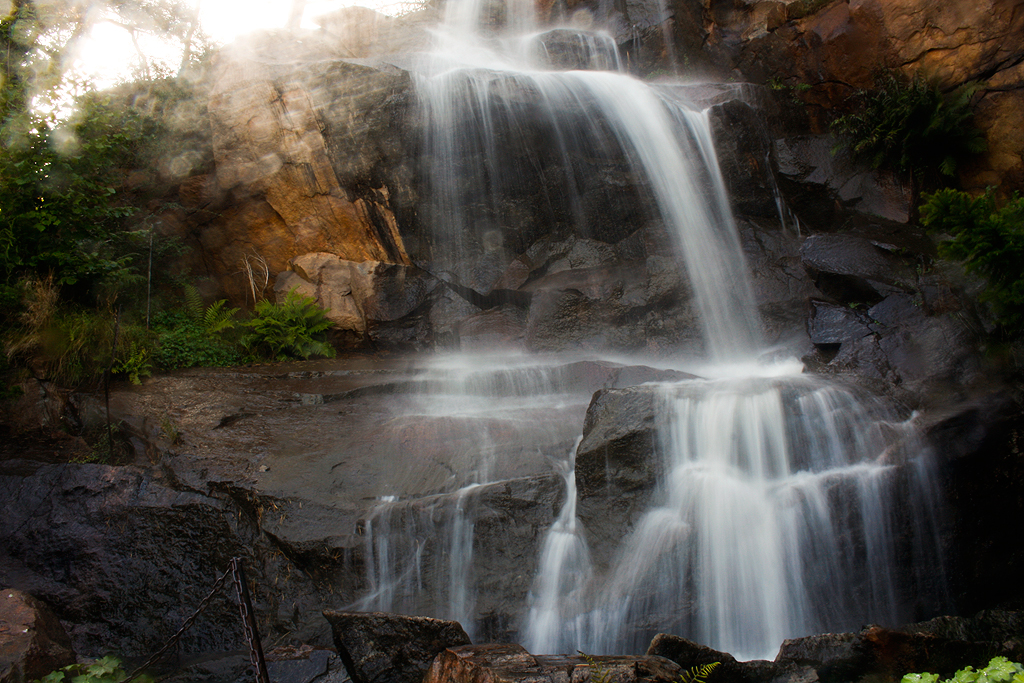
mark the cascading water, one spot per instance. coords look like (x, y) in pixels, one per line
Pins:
(783, 500)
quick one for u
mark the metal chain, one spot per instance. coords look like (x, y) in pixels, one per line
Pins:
(181, 631)
(259, 665)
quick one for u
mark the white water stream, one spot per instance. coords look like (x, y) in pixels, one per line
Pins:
(781, 496)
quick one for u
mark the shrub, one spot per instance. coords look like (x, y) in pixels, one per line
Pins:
(989, 240)
(914, 127)
(293, 329)
(105, 670)
(197, 337)
(999, 670)
(70, 345)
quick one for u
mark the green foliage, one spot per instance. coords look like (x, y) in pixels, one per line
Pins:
(914, 127)
(61, 212)
(197, 337)
(70, 344)
(698, 674)
(988, 239)
(999, 670)
(105, 670)
(293, 329)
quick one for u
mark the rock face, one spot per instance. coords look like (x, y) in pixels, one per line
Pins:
(32, 640)
(389, 648)
(308, 158)
(890, 319)
(360, 296)
(831, 49)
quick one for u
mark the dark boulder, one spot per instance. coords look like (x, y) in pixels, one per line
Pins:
(887, 655)
(689, 654)
(616, 467)
(850, 268)
(391, 648)
(107, 546)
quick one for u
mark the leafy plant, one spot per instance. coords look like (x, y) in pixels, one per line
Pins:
(988, 239)
(999, 670)
(295, 328)
(912, 127)
(197, 336)
(105, 670)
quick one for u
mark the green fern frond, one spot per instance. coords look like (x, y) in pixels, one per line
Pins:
(193, 302)
(598, 673)
(218, 318)
(698, 674)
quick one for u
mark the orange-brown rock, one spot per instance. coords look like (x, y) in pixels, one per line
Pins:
(832, 49)
(32, 640)
(299, 150)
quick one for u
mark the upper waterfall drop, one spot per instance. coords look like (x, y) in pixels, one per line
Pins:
(472, 91)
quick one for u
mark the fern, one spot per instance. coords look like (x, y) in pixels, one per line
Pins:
(913, 127)
(598, 673)
(295, 328)
(193, 302)
(698, 674)
(988, 239)
(218, 318)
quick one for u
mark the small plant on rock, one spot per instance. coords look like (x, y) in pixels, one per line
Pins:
(913, 127)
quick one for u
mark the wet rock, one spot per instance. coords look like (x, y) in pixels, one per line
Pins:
(574, 49)
(32, 640)
(616, 465)
(849, 268)
(746, 159)
(513, 663)
(391, 648)
(779, 280)
(498, 328)
(817, 181)
(919, 357)
(833, 324)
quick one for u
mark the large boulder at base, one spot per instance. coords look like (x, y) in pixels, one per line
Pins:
(32, 640)
(391, 648)
(513, 664)
(358, 295)
(103, 545)
(887, 655)
(689, 654)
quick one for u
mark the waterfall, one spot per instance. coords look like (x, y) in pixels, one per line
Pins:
(784, 503)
